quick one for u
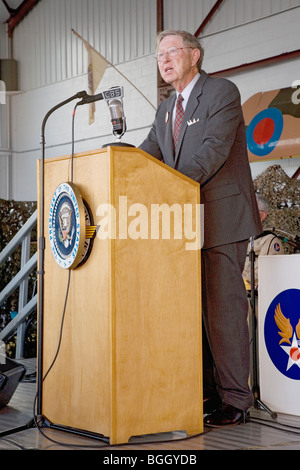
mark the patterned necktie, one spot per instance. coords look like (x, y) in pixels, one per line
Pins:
(178, 119)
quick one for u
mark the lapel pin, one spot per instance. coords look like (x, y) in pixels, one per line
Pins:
(167, 117)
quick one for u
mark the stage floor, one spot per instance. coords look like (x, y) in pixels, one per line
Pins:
(261, 433)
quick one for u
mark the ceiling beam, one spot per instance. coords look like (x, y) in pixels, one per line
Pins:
(8, 8)
(208, 17)
(296, 175)
(159, 15)
(257, 63)
(17, 16)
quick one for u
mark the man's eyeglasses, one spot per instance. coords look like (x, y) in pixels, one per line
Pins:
(171, 51)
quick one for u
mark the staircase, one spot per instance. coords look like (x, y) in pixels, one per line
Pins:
(26, 306)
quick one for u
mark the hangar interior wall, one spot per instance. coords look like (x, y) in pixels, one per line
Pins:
(52, 65)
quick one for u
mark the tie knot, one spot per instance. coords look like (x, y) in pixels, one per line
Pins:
(179, 99)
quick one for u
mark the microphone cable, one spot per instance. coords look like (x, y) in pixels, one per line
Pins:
(69, 271)
(67, 288)
(34, 419)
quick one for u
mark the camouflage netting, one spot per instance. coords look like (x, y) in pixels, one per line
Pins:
(13, 215)
(283, 196)
(281, 192)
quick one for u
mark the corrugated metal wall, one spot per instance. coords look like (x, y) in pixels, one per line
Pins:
(189, 14)
(3, 42)
(48, 51)
(236, 12)
(52, 65)
(186, 15)
(121, 30)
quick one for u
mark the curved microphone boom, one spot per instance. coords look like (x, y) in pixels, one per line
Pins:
(91, 98)
(41, 243)
(289, 238)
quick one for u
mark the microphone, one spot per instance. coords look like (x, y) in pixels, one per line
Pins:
(114, 98)
(295, 239)
(115, 107)
(91, 98)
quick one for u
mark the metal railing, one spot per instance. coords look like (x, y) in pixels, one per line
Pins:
(20, 280)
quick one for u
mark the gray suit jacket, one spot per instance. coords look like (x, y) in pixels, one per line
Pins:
(211, 150)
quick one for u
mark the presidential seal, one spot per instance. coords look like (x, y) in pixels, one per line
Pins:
(70, 241)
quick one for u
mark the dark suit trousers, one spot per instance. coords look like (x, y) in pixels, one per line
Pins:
(226, 352)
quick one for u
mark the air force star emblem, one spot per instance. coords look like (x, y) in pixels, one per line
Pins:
(287, 333)
(282, 332)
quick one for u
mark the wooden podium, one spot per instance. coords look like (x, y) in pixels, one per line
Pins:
(130, 361)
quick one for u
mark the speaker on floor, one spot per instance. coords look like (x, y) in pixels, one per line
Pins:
(11, 373)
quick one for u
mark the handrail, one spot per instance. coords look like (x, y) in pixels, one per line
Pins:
(17, 239)
(19, 277)
(20, 280)
(19, 319)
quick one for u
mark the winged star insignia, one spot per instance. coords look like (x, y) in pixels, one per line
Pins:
(288, 336)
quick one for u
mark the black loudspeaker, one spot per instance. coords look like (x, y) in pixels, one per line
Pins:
(11, 373)
(9, 74)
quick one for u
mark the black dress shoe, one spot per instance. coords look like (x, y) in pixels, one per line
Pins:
(210, 404)
(226, 415)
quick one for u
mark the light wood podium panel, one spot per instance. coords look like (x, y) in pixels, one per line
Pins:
(130, 360)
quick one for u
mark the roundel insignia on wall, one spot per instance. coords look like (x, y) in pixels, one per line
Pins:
(282, 332)
(264, 131)
(70, 227)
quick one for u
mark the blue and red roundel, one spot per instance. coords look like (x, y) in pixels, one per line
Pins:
(264, 131)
